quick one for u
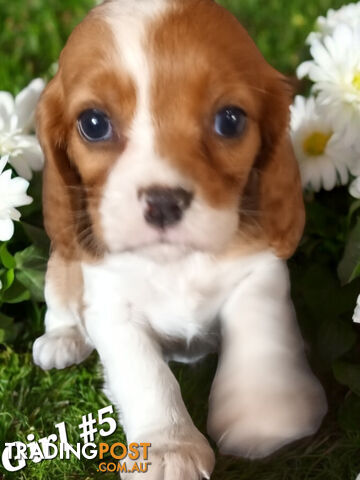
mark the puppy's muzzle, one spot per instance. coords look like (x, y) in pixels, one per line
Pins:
(164, 207)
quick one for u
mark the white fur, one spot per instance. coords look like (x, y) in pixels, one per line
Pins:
(264, 394)
(178, 299)
(61, 348)
(131, 303)
(156, 290)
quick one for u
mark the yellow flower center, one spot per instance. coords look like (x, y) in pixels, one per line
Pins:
(315, 144)
(356, 80)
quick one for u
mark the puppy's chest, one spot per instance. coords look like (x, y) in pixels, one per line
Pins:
(180, 298)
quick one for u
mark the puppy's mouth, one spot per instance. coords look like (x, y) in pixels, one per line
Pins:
(161, 223)
(164, 240)
(162, 250)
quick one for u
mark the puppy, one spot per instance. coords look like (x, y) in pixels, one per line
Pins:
(172, 199)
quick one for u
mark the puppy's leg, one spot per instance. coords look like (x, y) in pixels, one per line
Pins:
(65, 341)
(264, 394)
(148, 396)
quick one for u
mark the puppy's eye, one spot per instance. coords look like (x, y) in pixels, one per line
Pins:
(94, 126)
(230, 122)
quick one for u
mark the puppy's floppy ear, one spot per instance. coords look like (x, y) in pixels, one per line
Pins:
(62, 195)
(280, 201)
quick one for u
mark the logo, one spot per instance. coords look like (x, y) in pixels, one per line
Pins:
(16, 454)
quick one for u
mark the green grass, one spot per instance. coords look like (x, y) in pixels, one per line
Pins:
(34, 401)
(280, 27)
(32, 34)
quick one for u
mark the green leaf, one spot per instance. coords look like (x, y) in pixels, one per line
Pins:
(37, 236)
(6, 258)
(348, 374)
(335, 337)
(349, 414)
(353, 209)
(34, 281)
(35, 190)
(17, 293)
(8, 329)
(5, 321)
(32, 257)
(324, 294)
(321, 221)
(30, 270)
(7, 279)
(348, 268)
(355, 273)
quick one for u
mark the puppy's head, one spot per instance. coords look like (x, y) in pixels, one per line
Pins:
(165, 125)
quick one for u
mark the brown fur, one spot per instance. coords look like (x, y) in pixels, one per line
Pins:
(66, 278)
(204, 53)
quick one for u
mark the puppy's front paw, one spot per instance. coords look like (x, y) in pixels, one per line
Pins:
(60, 348)
(256, 422)
(177, 454)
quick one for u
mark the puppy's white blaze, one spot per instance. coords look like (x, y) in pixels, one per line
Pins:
(129, 20)
(140, 166)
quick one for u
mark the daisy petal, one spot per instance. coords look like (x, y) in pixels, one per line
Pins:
(7, 111)
(354, 188)
(25, 103)
(21, 167)
(6, 229)
(303, 69)
(354, 167)
(3, 162)
(33, 155)
(329, 178)
(18, 185)
(15, 214)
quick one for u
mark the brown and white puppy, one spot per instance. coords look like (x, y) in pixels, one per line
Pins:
(172, 198)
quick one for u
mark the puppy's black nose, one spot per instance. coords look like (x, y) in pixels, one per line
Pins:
(165, 206)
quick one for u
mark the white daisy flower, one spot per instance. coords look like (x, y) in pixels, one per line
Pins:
(12, 195)
(16, 129)
(348, 14)
(323, 158)
(335, 70)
